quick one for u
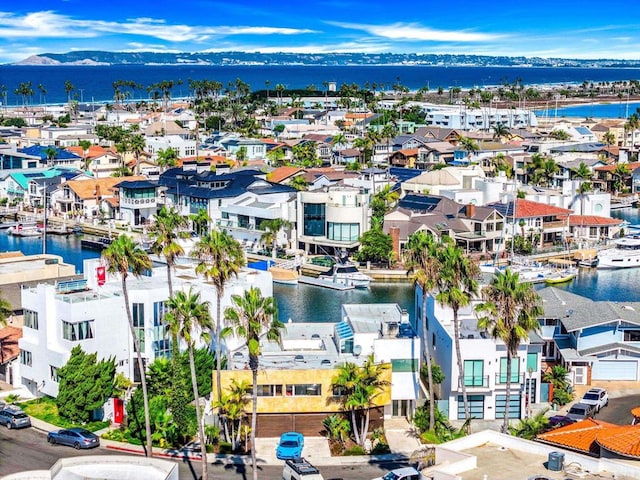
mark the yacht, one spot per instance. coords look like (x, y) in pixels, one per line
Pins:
(625, 254)
(346, 273)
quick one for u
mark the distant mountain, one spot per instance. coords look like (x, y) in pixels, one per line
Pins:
(323, 59)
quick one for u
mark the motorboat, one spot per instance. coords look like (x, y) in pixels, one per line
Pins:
(346, 273)
(587, 258)
(21, 230)
(560, 276)
(99, 243)
(625, 254)
(285, 276)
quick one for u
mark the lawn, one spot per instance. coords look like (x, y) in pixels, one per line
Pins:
(45, 409)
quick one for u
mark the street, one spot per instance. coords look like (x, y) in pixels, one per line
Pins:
(619, 410)
(28, 449)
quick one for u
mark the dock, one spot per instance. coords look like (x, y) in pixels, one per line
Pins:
(318, 282)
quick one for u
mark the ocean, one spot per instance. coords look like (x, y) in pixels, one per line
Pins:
(95, 83)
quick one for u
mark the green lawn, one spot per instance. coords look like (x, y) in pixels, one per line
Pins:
(45, 409)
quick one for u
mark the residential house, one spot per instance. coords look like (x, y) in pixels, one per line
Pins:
(611, 182)
(90, 313)
(102, 162)
(484, 364)
(460, 117)
(404, 158)
(594, 340)
(449, 178)
(332, 219)
(25, 186)
(371, 180)
(138, 200)
(254, 149)
(434, 153)
(60, 157)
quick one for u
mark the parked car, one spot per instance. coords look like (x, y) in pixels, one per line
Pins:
(13, 417)
(597, 397)
(300, 469)
(74, 437)
(290, 445)
(580, 411)
(558, 421)
(407, 473)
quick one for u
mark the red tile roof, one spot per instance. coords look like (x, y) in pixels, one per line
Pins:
(592, 220)
(623, 440)
(9, 337)
(529, 209)
(282, 173)
(580, 436)
(610, 168)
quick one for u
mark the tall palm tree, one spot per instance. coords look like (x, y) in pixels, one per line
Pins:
(165, 232)
(167, 158)
(125, 257)
(200, 221)
(500, 132)
(456, 286)
(421, 258)
(220, 259)
(252, 317)
(85, 145)
(509, 312)
(137, 144)
(188, 318)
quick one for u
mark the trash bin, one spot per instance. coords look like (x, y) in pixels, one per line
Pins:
(556, 461)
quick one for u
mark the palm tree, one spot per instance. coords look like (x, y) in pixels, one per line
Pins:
(164, 233)
(51, 153)
(220, 259)
(299, 183)
(609, 138)
(189, 317)
(469, 145)
(509, 312)
(167, 158)
(136, 145)
(252, 317)
(271, 230)
(422, 259)
(456, 286)
(500, 132)
(231, 409)
(125, 257)
(84, 145)
(200, 221)
(621, 171)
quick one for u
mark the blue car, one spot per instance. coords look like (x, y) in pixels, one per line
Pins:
(74, 437)
(290, 446)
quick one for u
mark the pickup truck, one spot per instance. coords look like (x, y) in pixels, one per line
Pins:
(300, 469)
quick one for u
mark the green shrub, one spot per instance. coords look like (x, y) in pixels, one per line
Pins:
(381, 448)
(353, 451)
(225, 448)
(117, 435)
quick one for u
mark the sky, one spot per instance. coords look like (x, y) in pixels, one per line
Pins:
(544, 28)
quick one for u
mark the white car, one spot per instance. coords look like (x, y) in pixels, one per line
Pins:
(407, 473)
(300, 469)
(596, 397)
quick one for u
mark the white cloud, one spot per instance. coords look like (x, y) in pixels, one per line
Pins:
(410, 31)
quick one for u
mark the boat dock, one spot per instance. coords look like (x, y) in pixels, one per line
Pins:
(317, 282)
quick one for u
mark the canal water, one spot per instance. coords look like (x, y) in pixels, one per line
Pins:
(305, 303)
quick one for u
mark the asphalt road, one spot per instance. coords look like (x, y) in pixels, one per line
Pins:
(619, 410)
(27, 449)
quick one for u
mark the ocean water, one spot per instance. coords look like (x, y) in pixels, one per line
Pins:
(95, 83)
(601, 110)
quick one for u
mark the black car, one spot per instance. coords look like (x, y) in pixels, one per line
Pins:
(558, 421)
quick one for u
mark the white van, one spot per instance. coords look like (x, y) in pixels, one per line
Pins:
(300, 469)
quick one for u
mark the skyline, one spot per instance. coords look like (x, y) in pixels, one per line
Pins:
(589, 31)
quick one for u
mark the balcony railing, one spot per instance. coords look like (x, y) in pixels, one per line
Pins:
(474, 381)
(516, 379)
(142, 202)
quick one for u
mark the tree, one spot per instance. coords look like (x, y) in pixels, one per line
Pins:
(609, 138)
(271, 229)
(299, 183)
(167, 157)
(276, 156)
(456, 286)
(558, 134)
(220, 259)
(509, 312)
(375, 246)
(200, 221)
(232, 410)
(126, 258)
(358, 388)
(51, 153)
(84, 385)
(469, 145)
(188, 318)
(137, 144)
(253, 317)
(621, 172)
(422, 259)
(529, 428)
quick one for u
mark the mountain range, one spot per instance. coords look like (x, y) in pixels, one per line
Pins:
(89, 58)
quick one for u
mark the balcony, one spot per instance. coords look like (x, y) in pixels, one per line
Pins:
(474, 382)
(554, 225)
(516, 379)
(138, 202)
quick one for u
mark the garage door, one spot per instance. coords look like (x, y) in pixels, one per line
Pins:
(615, 370)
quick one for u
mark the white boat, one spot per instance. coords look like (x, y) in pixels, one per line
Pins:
(625, 254)
(25, 231)
(346, 273)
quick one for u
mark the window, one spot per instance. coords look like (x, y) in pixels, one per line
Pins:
(343, 232)
(474, 373)
(532, 362)
(404, 365)
(314, 219)
(476, 406)
(514, 405)
(53, 373)
(304, 389)
(31, 319)
(515, 370)
(75, 332)
(269, 390)
(26, 358)
(138, 323)
(161, 337)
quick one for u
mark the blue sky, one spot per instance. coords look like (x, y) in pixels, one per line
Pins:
(585, 29)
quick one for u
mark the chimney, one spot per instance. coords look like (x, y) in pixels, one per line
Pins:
(394, 232)
(471, 210)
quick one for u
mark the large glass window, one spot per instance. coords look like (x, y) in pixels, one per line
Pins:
(138, 323)
(314, 219)
(515, 370)
(26, 358)
(304, 389)
(74, 332)
(161, 336)
(31, 319)
(343, 232)
(474, 373)
(269, 390)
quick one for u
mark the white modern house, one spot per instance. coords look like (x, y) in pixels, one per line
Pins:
(332, 218)
(91, 313)
(484, 362)
(465, 118)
